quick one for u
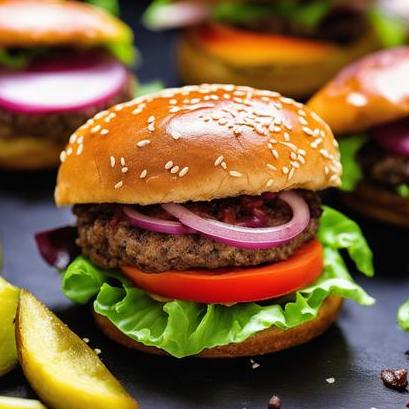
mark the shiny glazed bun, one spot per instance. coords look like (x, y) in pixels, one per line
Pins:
(35, 23)
(197, 143)
(370, 92)
(264, 342)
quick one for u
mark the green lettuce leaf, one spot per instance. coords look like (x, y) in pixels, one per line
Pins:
(351, 171)
(392, 31)
(184, 328)
(403, 190)
(149, 88)
(403, 316)
(111, 6)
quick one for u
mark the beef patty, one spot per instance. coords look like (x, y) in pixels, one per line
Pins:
(57, 126)
(109, 240)
(382, 166)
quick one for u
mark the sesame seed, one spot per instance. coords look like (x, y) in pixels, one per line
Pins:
(98, 351)
(124, 169)
(271, 167)
(80, 140)
(63, 156)
(69, 151)
(223, 121)
(175, 135)
(326, 170)
(169, 165)
(174, 110)
(260, 130)
(151, 119)
(303, 121)
(293, 155)
(151, 127)
(285, 170)
(86, 340)
(237, 131)
(219, 160)
(335, 179)
(143, 143)
(183, 171)
(96, 128)
(301, 159)
(301, 152)
(224, 165)
(175, 169)
(101, 114)
(104, 131)
(308, 131)
(288, 126)
(195, 100)
(136, 111)
(289, 145)
(143, 174)
(216, 116)
(214, 97)
(73, 138)
(269, 182)
(112, 160)
(291, 174)
(80, 149)
(119, 185)
(235, 174)
(295, 164)
(316, 132)
(273, 141)
(324, 153)
(275, 153)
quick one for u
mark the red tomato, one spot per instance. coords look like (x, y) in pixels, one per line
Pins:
(235, 284)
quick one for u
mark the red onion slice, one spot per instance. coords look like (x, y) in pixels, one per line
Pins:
(393, 137)
(62, 84)
(245, 237)
(155, 224)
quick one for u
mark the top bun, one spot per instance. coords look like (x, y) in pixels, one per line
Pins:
(197, 143)
(370, 92)
(35, 23)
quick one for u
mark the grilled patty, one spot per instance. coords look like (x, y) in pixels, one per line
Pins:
(57, 126)
(109, 240)
(383, 167)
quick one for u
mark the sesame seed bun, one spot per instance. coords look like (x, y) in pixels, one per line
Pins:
(298, 80)
(36, 23)
(370, 92)
(388, 206)
(264, 342)
(28, 153)
(197, 143)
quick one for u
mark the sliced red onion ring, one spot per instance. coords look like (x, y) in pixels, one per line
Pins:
(62, 84)
(393, 137)
(245, 237)
(155, 224)
(177, 15)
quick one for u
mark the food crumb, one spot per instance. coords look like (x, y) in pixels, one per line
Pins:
(98, 351)
(395, 378)
(330, 380)
(255, 365)
(86, 340)
(274, 402)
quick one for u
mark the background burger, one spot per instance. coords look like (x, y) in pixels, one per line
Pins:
(367, 106)
(60, 63)
(200, 226)
(290, 46)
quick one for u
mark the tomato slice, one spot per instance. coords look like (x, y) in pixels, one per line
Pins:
(229, 43)
(235, 284)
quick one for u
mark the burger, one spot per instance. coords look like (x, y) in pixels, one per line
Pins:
(199, 227)
(367, 106)
(290, 46)
(60, 63)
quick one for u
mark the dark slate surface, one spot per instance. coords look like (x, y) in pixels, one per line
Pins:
(364, 341)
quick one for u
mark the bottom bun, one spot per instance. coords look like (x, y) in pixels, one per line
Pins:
(264, 342)
(381, 204)
(27, 153)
